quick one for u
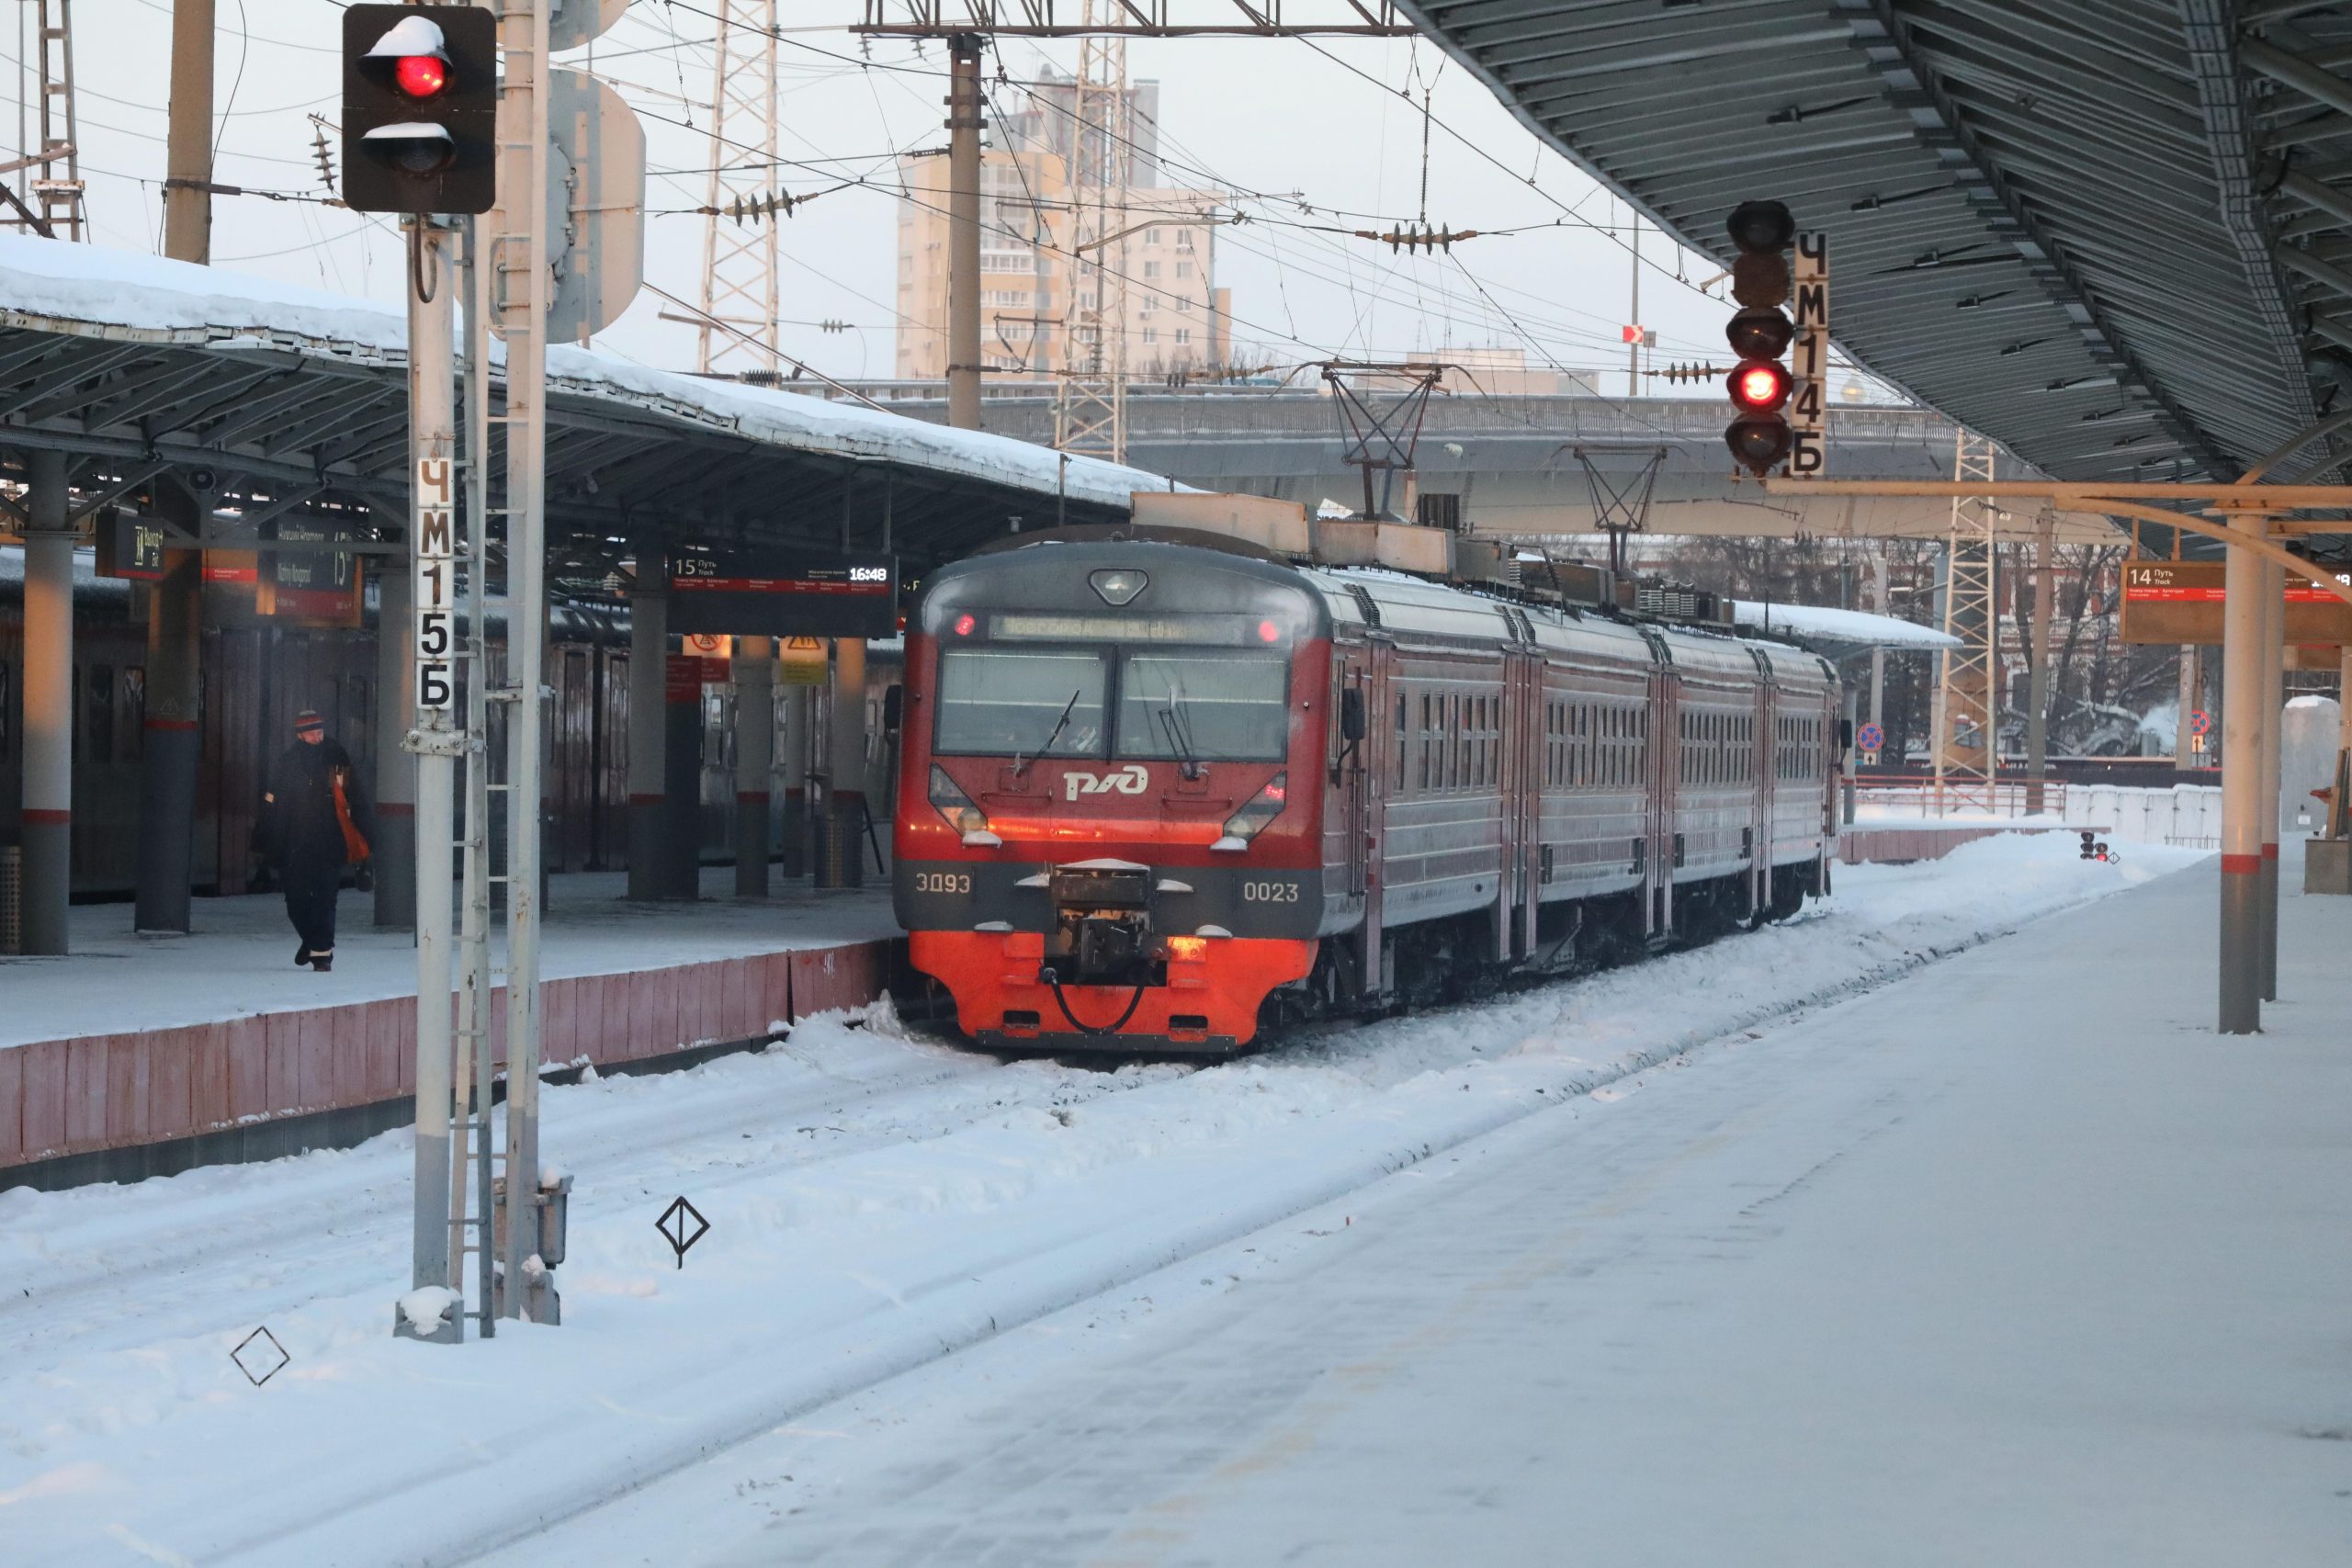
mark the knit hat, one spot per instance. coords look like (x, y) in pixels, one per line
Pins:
(307, 719)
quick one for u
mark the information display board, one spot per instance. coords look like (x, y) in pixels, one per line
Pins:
(2171, 602)
(773, 593)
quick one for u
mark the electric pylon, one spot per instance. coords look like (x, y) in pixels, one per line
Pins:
(1091, 415)
(738, 252)
(49, 195)
(1967, 747)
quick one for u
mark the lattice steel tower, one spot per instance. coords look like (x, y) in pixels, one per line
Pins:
(1967, 747)
(49, 191)
(1091, 415)
(738, 246)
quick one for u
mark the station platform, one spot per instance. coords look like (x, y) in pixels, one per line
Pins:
(142, 1055)
(2013, 1261)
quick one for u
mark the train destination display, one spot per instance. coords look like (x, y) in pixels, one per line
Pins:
(773, 593)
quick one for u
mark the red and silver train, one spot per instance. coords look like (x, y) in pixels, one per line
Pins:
(1157, 798)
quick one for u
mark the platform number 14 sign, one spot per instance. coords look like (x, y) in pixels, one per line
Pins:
(1809, 359)
(434, 558)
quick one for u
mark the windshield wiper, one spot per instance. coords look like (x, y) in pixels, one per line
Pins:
(1019, 763)
(1179, 730)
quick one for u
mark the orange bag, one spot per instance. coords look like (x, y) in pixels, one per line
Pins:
(354, 846)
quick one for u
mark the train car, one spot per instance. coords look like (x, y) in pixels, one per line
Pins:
(1155, 798)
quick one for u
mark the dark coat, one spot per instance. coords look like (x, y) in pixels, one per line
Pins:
(302, 826)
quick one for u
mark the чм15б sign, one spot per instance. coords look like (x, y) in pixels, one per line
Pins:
(2180, 602)
(768, 593)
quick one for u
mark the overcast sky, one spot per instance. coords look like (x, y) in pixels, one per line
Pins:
(1260, 119)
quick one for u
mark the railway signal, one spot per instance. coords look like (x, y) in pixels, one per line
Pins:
(1760, 383)
(420, 108)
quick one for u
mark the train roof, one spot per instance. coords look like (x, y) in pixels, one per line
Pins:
(1404, 603)
(1397, 601)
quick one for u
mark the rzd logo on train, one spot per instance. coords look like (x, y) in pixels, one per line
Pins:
(1128, 780)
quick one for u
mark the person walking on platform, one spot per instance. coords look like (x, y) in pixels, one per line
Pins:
(317, 823)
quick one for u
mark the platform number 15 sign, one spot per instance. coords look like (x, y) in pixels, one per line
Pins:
(435, 564)
(1809, 359)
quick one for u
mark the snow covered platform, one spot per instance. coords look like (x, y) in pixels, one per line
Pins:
(1899, 840)
(138, 1056)
(2010, 1261)
(1932, 1227)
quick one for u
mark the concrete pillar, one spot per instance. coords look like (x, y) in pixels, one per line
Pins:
(2243, 623)
(754, 672)
(964, 125)
(1878, 655)
(47, 810)
(2184, 744)
(393, 855)
(2037, 719)
(793, 750)
(2274, 640)
(841, 840)
(649, 647)
(172, 745)
(680, 852)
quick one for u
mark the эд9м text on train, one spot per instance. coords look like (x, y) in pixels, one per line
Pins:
(1157, 797)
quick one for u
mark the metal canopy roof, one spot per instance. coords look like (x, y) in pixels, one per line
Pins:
(297, 400)
(2100, 231)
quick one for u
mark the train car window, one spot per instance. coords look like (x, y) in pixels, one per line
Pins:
(1401, 740)
(7, 736)
(1002, 702)
(1214, 707)
(1427, 731)
(98, 730)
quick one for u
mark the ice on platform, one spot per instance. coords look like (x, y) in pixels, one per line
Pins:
(241, 959)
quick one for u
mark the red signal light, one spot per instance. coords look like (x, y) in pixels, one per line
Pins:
(421, 75)
(1761, 386)
(963, 625)
(1268, 631)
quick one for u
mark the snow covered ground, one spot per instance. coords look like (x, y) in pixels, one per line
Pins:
(877, 1203)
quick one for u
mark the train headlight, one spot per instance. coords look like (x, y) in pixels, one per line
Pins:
(1261, 808)
(958, 811)
(1117, 585)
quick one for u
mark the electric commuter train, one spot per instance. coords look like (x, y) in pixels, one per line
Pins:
(1155, 798)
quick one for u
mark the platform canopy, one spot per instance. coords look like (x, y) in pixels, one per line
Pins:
(291, 398)
(2108, 234)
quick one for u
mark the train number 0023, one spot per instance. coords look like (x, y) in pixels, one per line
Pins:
(943, 882)
(1270, 891)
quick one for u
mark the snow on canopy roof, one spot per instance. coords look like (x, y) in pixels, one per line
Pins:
(88, 290)
(1817, 624)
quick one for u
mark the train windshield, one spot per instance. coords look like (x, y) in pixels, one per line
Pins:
(1204, 708)
(1028, 703)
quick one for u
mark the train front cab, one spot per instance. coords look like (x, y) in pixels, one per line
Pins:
(1109, 832)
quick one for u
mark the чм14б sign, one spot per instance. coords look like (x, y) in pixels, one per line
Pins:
(2180, 602)
(773, 593)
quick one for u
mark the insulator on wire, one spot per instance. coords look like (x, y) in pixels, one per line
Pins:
(1423, 238)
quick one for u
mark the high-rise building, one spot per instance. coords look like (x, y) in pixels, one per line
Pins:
(1031, 290)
